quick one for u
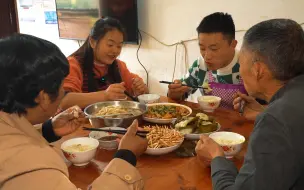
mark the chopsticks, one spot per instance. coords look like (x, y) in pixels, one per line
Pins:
(130, 96)
(191, 86)
(242, 106)
(121, 132)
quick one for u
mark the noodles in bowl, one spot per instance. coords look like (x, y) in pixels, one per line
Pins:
(162, 140)
(114, 113)
(80, 151)
(78, 148)
(117, 112)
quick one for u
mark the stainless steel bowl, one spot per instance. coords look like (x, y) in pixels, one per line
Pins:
(99, 122)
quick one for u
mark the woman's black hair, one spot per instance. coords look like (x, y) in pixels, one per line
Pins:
(85, 54)
(29, 65)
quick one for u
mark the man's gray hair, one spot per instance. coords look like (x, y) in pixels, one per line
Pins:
(280, 44)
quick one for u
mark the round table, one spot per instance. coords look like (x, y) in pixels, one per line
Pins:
(167, 171)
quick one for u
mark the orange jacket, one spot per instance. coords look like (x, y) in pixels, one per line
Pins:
(74, 81)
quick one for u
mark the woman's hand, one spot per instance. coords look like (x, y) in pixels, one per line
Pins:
(139, 87)
(116, 92)
(68, 121)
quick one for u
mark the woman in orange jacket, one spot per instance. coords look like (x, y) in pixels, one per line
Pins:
(95, 72)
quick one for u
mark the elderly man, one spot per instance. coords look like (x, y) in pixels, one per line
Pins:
(272, 67)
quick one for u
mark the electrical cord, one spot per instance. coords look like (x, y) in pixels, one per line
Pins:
(183, 43)
(174, 44)
(175, 57)
(174, 61)
(137, 55)
(188, 40)
(186, 55)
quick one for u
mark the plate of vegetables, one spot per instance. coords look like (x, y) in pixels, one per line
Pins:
(166, 113)
(193, 126)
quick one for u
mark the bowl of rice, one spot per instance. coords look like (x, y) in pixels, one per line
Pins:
(209, 103)
(80, 151)
(231, 143)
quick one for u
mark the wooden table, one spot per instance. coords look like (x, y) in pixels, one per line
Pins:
(167, 171)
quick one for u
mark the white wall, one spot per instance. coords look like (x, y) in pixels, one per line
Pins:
(171, 21)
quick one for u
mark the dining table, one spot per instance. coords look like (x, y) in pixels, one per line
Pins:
(167, 171)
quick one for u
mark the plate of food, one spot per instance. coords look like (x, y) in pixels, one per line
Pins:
(114, 113)
(193, 127)
(162, 140)
(165, 113)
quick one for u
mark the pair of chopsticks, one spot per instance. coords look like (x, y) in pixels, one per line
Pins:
(191, 86)
(121, 132)
(242, 106)
(130, 96)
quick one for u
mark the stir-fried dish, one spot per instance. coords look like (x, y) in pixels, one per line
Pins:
(201, 123)
(166, 111)
(162, 136)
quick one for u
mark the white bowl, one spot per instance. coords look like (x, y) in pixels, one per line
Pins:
(230, 149)
(164, 121)
(148, 98)
(80, 158)
(209, 103)
(106, 144)
(161, 151)
(197, 136)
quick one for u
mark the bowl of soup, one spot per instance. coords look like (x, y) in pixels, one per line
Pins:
(209, 103)
(80, 151)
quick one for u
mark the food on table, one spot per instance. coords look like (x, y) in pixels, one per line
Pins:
(209, 99)
(75, 111)
(162, 136)
(108, 138)
(166, 111)
(207, 88)
(117, 112)
(201, 123)
(78, 148)
(223, 141)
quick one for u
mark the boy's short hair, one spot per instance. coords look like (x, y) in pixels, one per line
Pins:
(218, 23)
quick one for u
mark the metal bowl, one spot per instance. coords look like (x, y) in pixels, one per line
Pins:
(99, 122)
